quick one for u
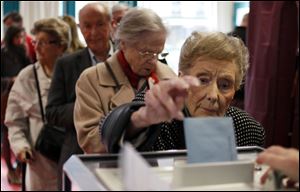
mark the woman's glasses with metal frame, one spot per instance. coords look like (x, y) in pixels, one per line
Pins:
(43, 43)
(150, 55)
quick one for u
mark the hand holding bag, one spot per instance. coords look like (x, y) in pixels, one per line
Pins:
(51, 138)
(114, 125)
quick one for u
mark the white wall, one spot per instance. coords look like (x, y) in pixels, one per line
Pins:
(32, 11)
(224, 16)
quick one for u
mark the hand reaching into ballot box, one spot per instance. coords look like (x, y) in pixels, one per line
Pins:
(164, 101)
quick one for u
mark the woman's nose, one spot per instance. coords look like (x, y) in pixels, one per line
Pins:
(212, 93)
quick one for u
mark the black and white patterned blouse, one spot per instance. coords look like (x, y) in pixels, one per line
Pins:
(248, 132)
(166, 136)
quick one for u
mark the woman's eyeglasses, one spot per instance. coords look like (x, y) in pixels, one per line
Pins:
(43, 43)
(150, 55)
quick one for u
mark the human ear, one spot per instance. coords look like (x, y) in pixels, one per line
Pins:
(122, 45)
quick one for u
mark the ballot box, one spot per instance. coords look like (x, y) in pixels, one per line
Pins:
(101, 172)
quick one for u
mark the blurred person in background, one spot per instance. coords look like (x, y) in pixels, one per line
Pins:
(23, 116)
(117, 13)
(75, 44)
(14, 18)
(240, 32)
(13, 60)
(94, 23)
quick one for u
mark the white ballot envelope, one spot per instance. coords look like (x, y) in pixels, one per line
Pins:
(137, 175)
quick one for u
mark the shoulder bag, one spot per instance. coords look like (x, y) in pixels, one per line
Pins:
(50, 139)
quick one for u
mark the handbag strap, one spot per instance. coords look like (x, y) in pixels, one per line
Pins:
(112, 75)
(144, 87)
(39, 93)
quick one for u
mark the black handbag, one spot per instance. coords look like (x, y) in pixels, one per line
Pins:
(51, 138)
(114, 124)
(117, 121)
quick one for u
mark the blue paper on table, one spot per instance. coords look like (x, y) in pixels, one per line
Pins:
(210, 139)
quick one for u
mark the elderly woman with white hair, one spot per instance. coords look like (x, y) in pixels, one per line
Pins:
(23, 116)
(116, 81)
(211, 68)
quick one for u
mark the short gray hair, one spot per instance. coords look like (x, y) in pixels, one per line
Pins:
(215, 45)
(136, 22)
(119, 7)
(56, 28)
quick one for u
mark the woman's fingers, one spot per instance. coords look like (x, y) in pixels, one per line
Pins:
(171, 95)
(284, 160)
(265, 176)
(155, 111)
(161, 93)
(166, 99)
(191, 81)
(276, 150)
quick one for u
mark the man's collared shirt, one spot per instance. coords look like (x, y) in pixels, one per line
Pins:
(93, 57)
